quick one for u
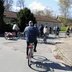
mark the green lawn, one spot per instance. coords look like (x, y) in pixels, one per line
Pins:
(63, 29)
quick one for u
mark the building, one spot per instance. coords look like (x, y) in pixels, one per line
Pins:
(49, 21)
(9, 16)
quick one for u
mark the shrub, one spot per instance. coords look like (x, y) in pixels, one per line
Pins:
(63, 29)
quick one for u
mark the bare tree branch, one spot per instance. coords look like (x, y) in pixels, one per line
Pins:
(64, 7)
(8, 4)
(21, 3)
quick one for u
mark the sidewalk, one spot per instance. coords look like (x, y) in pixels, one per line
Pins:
(13, 58)
(65, 50)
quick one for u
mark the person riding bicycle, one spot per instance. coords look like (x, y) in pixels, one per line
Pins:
(68, 31)
(16, 29)
(31, 34)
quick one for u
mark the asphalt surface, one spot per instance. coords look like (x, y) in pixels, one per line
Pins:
(13, 57)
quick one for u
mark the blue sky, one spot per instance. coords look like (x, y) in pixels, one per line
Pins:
(41, 5)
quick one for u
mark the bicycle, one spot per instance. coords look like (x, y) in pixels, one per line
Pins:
(9, 35)
(45, 38)
(30, 53)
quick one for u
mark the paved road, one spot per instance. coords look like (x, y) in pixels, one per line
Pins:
(13, 58)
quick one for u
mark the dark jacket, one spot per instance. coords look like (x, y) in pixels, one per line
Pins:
(31, 33)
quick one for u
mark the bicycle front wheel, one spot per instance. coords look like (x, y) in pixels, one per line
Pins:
(30, 54)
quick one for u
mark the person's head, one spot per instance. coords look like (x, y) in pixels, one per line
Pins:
(30, 23)
(35, 25)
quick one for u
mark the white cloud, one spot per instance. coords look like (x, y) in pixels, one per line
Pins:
(36, 6)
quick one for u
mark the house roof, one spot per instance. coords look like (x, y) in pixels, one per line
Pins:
(10, 14)
(46, 19)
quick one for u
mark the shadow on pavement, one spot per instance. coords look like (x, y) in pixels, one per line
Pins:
(52, 37)
(51, 42)
(42, 64)
(13, 39)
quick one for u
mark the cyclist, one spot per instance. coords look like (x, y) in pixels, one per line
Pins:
(68, 31)
(31, 34)
(15, 29)
(58, 30)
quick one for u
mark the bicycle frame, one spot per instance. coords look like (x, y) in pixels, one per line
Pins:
(9, 35)
(30, 53)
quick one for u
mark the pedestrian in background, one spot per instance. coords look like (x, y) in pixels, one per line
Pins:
(41, 30)
(45, 31)
(15, 29)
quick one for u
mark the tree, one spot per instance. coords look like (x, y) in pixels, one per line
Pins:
(8, 5)
(24, 16)
(21, 3)
(48, 13)
(63, 20)
(64, 9)
(44, 12)
(2, 24)
(39, 13)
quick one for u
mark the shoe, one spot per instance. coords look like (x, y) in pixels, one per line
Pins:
(35, 50)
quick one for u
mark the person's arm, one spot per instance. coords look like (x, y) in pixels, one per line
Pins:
(25, 31)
